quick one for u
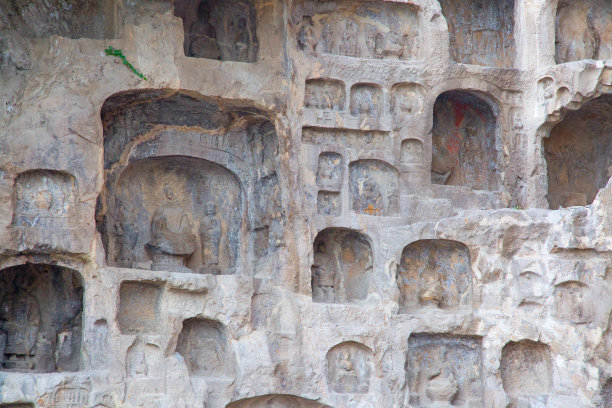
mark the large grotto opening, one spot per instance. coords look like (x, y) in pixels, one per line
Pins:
(464, 142)
(579, 155)
(481, 31)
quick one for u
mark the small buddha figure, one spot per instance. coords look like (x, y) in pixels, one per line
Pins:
(172, 237)
(442, 388)
(202, 36)
(210, 234)
(20, 322)
(324, 282)
(347, 375)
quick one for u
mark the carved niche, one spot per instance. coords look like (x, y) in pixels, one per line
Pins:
(219, 29)
(342, 266)
(435, 273)
(463, 142)
(199, 186)
(444, 370)
(573, 303)
(583, 30)
(45, 199)
(362, 30)
(325, 94)
(411, 151)
(330, 172)
(526, 368)
(205, 346)
(145, 370)
(139, 307)
(40, 318)
(579, 155)
(545, 95)
(276, 401)
(374, 188)
(358, 140)
(366, 100)
(349, 368)
(406, 101)
(68, 18)
(481, 31)
(329, 203)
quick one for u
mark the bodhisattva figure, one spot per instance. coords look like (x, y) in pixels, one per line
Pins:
(20, 322)
(210, 234)
(442, 388)
(202, 36)
(172, 237)
(323, 284)
(347, 375)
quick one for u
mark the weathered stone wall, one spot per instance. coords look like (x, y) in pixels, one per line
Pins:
(308, 203)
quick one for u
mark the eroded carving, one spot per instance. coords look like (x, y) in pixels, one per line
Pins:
(205, 346)
(71, 396)
(219, 29)
(145, 372)
(276, 401)
(481, 32)
(361, 140)
(366, 100)
(327, 94)
(349, 367)
(381, 31)
(463, 145)
(374, 188)
(406, 101)
(40, 318)
(546, 92)
(328, 203)
(444, 370)
(330, 172)
(578, 155)
(139, 307)
(411, 151)
(526, 368)
(341, 268)
(572, 302)
(436, 273)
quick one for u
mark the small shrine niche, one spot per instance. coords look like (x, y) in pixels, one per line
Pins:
(41, 309)
(573, 303)
(206, 348)
(374, 188)
(444, 370)
(411, 151)
(464, 149)
(223, 30)
(276, 401)
(435, 273)
(66, 18)
(145, 371)
(139, 304)
(407, 101)
(526, 368)
(583, 30)
(325, 94)
(481, 31)
(366, 100)
(330, 172)
(342, 266)
(349, 368)
(579, 155)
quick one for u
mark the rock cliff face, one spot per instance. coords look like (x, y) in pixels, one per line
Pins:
(308, 203)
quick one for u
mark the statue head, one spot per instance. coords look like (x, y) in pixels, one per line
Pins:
(169, 193)
(211, 209)
(203, 11)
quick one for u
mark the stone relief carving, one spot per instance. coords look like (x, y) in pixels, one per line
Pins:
(582, 30)
(219, 29)
(349, 30)
(526, 368)
(366, 100)
(206, 348)
(546, 92)
(26, 405)
(328, 203)
(327, 94)
(71, 396)
(331, 171)
(145, 371)
(45, 199)
(276, 401)
(349, 368)
(342, 265)
(444, 370)
(578, 155)
(411, 151)
(434, 273)
(356, 139)
(481, 32)
(40, 318)
(463, 145)
(406, 101)
(573, 303)
(374, 188)
(139, 307)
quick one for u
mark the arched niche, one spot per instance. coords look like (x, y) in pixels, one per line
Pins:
(582, 30)
(481, 32)
(374, 188)
(349, 368)
(67, 18)
(205, 346)
(579, 155)
(435, 273)
(342, 266)
(41, 308)
(464, 141)
(526, 368)
(276, 401)
(223, 30)
(222, 157)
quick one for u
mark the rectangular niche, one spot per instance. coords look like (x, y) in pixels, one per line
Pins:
(139, 304)
(444, 370)
(481, 31)
(326, 94)
(329, 203)
(362, 141)
(223, 30)
(362, 30)
(374, 188)
(366, 100)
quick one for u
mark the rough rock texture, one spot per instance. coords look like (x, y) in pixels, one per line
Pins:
(308, 203)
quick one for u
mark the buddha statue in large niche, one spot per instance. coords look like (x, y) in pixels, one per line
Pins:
(172, 237)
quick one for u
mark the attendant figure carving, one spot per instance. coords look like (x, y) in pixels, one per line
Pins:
(202, 36)
(210, 234)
